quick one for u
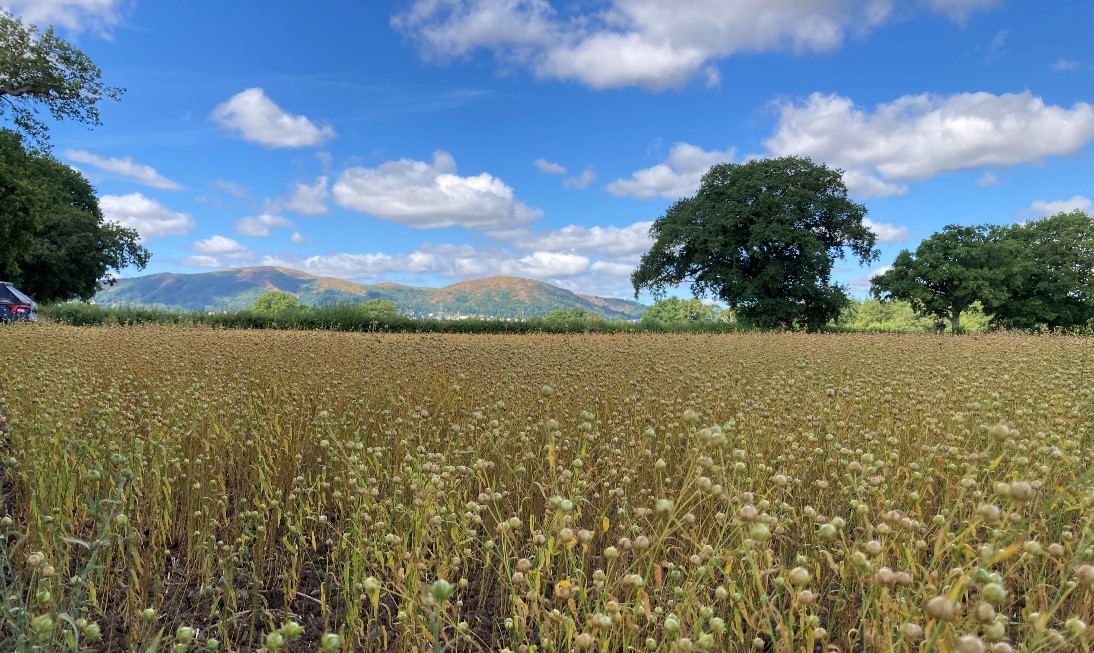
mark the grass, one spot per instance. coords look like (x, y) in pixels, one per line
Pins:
(184, 488)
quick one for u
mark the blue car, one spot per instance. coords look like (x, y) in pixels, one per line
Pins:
(15, 306)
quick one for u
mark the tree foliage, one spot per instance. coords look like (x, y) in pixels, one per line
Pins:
(1050, 273)
(762, 237)
(673, 310)
(40, 69)
(58, 245)
(276, 301)
(379, 307)
(948, 272)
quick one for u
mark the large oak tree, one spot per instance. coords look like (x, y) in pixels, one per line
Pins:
(762, 237)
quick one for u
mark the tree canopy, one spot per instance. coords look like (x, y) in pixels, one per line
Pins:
(1049, 274)
(58, 245)
(275, 301)
(948, 272)
(762, 237)
(40, 69)
(379, 307)
(673, 310)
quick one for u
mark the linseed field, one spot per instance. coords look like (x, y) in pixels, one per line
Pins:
(187, 489)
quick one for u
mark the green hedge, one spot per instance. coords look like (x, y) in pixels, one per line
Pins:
(351, 318)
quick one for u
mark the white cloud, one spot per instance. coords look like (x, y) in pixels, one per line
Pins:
(298, 238)
(1064, 65)
(426, 195)
(631, 240)
(237, 191)
(260, 225)
(886, 233)
(655, 44)
(549, 167)
(582, 181)
(72, 15)
(679, 176)
(987, 180)
(222, 246)
(125, 168)
(546, 265)
(150, 218)
(861, 283)
(307, 199)
(613, 269)
(920, 136)
(259, 120)
(1042, 208)
(202, 261)
(460, 262)
(960, 10)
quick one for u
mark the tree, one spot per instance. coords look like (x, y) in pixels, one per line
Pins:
(946, 275)
(1050, 280)
(60, 246)
(762, 237)
(572, 317)
(275, 301)
(379, 308)
(673, 310)
(42, 69)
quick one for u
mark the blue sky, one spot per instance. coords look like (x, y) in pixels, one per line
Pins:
(430, 141)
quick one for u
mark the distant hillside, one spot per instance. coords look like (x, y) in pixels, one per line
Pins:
(231, 290)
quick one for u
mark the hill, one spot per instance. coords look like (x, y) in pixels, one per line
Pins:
(237, 289)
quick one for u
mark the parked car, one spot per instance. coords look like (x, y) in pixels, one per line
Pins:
(15, 306)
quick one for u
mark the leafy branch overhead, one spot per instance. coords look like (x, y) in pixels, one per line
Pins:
(40, 69)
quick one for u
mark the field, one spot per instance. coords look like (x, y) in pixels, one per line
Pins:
(184, 489)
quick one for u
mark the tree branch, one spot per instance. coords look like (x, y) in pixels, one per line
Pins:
(16, 92)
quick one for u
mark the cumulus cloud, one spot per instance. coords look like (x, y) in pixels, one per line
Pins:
(960, 10)
(1064, 65)
(222, 246)
(72, 15)
(298, 238)
(124, 168)
(1042, 208)
(987, 180)
(546, 265)
(307, 199)
(256, 118)
(427, 195)
(614, 241)
(679, 176)
(460, 262)
(886, 233)
(150, 218)
(582, 181)
(549, 167)
(655, 44)
(202, 261)
(919, 136)
(237, 191)
(861, 283)
(260, 225)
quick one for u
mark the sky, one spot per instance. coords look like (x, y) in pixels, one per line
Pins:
(432, 141)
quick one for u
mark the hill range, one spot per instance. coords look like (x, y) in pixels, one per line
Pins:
(237, 289)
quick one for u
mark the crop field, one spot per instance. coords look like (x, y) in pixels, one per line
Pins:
(187, 489)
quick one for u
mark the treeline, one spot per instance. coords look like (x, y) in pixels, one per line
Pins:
(666, 316)
(349, 317)
(1032, 276)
